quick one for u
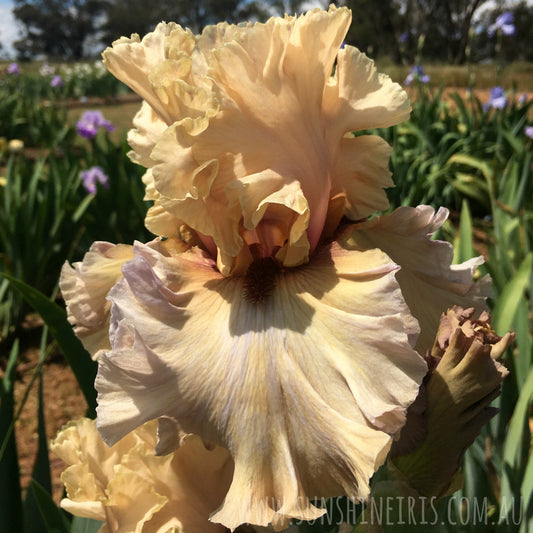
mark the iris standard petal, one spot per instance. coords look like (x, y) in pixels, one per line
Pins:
(245, 103)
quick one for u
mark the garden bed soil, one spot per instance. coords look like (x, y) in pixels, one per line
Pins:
(63, 402)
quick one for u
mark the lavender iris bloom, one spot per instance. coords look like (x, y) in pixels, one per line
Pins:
(497, 99)
(90, 122)
(417, 73)
(57, 81)
(504, 23)
(13, 68)
(91, 177)
(528, 130)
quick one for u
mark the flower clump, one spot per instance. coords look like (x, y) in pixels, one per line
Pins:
(271, 316)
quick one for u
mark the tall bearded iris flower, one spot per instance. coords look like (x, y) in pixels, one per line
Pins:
(504, 23)
(13, 68)
(91, 177)
(90, 122)
(417, 73)
(269, 317)
(497, 100)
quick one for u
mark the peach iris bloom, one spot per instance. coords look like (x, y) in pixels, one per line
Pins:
(269, 317)
(129, 489)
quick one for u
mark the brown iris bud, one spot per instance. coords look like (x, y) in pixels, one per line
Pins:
(453, 405)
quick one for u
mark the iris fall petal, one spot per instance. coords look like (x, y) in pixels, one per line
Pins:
(85, 285)
(286, 384)
(430, 283)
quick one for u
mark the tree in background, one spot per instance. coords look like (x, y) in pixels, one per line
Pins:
(292, 7)
(393, 27)
(382, 28)
(375, 27)
(124, 17)
(445, 24)
(56, 28)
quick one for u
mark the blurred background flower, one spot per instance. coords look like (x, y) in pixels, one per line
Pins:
(93, 176)
(57, 81)
(497, 99)
(13, 68)
(15, 146)
(90, 122)
(417, 73)
(504, 24)
(46, 69)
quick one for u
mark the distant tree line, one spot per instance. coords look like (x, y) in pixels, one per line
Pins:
(399, 29)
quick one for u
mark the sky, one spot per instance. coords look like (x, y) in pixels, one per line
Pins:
(9, 30)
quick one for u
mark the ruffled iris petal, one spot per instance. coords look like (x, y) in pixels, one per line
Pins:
(133, 59)
(358, 97)
(362, 163)
(252, 111)
(84, 287)
(430, 283)
(130, 489)
(288, 385)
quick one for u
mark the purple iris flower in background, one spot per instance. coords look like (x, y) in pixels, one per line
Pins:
(57, 81)
(528, 130)
(13, 68)
(404, 36)
(504, 23)
(497, 99)
(91, 177)
(417, 73)
(90, 122)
